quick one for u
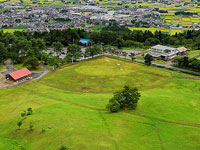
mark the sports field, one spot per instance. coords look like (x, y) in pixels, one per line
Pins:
(71, 102)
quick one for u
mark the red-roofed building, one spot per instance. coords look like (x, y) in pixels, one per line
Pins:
(20, 74)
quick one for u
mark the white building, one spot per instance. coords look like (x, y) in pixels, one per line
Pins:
(163, 52)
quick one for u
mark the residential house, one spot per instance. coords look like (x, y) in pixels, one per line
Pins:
(163, 52)
(182, 51)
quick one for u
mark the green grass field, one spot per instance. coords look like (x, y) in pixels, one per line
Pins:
(194, 55)
(159, 61)
(167, 116)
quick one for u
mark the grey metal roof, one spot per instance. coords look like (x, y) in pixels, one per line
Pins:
(155, 54)
(9, 71)
(161, 47)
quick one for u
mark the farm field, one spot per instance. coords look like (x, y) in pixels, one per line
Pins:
(143, 29)
(12, 30)
(69, 109)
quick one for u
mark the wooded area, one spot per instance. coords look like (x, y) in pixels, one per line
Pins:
(19, 46)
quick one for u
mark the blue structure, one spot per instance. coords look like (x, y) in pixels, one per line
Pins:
(84, 42)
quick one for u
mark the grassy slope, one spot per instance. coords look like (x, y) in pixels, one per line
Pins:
(78, 117)
(193, 55)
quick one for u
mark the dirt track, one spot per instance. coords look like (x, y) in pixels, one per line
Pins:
(2, 77)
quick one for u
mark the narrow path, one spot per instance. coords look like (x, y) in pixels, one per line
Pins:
(167, 121)
(161, 142)
(62, 100)
(154, 128)
(172, 76)
(187, 78)
(109, 130)
(147, 133)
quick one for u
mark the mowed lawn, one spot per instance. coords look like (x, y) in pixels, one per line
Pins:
(72, 102)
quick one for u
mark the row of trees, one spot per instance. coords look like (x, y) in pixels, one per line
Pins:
(24, 114)
(72, 53)
(185, 62)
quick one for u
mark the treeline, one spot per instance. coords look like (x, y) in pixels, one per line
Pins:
(185, 13)
(21, 45)
(116, 28)
(188, 63)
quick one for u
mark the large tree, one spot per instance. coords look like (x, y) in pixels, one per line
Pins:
(124, 99)
(24, 47)
(74, 52)
(132, 56)
(94, 50)
(3, 52)
(31, 62)
(119, 42)
(197, 42)
(147, 59)
(54, 61)
(58, 48)
(124, 54)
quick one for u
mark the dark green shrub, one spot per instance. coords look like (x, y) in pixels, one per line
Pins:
(113, 107)
(63, 147)
(29, 113)
(23, 114)
(19, 124)
(29, 109)
(31, 126)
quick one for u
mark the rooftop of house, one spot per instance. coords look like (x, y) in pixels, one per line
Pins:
(20, 73)
(161, 47)
(182, 49)
(84, 40)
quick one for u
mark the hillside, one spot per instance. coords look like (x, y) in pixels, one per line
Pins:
(69, 109)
